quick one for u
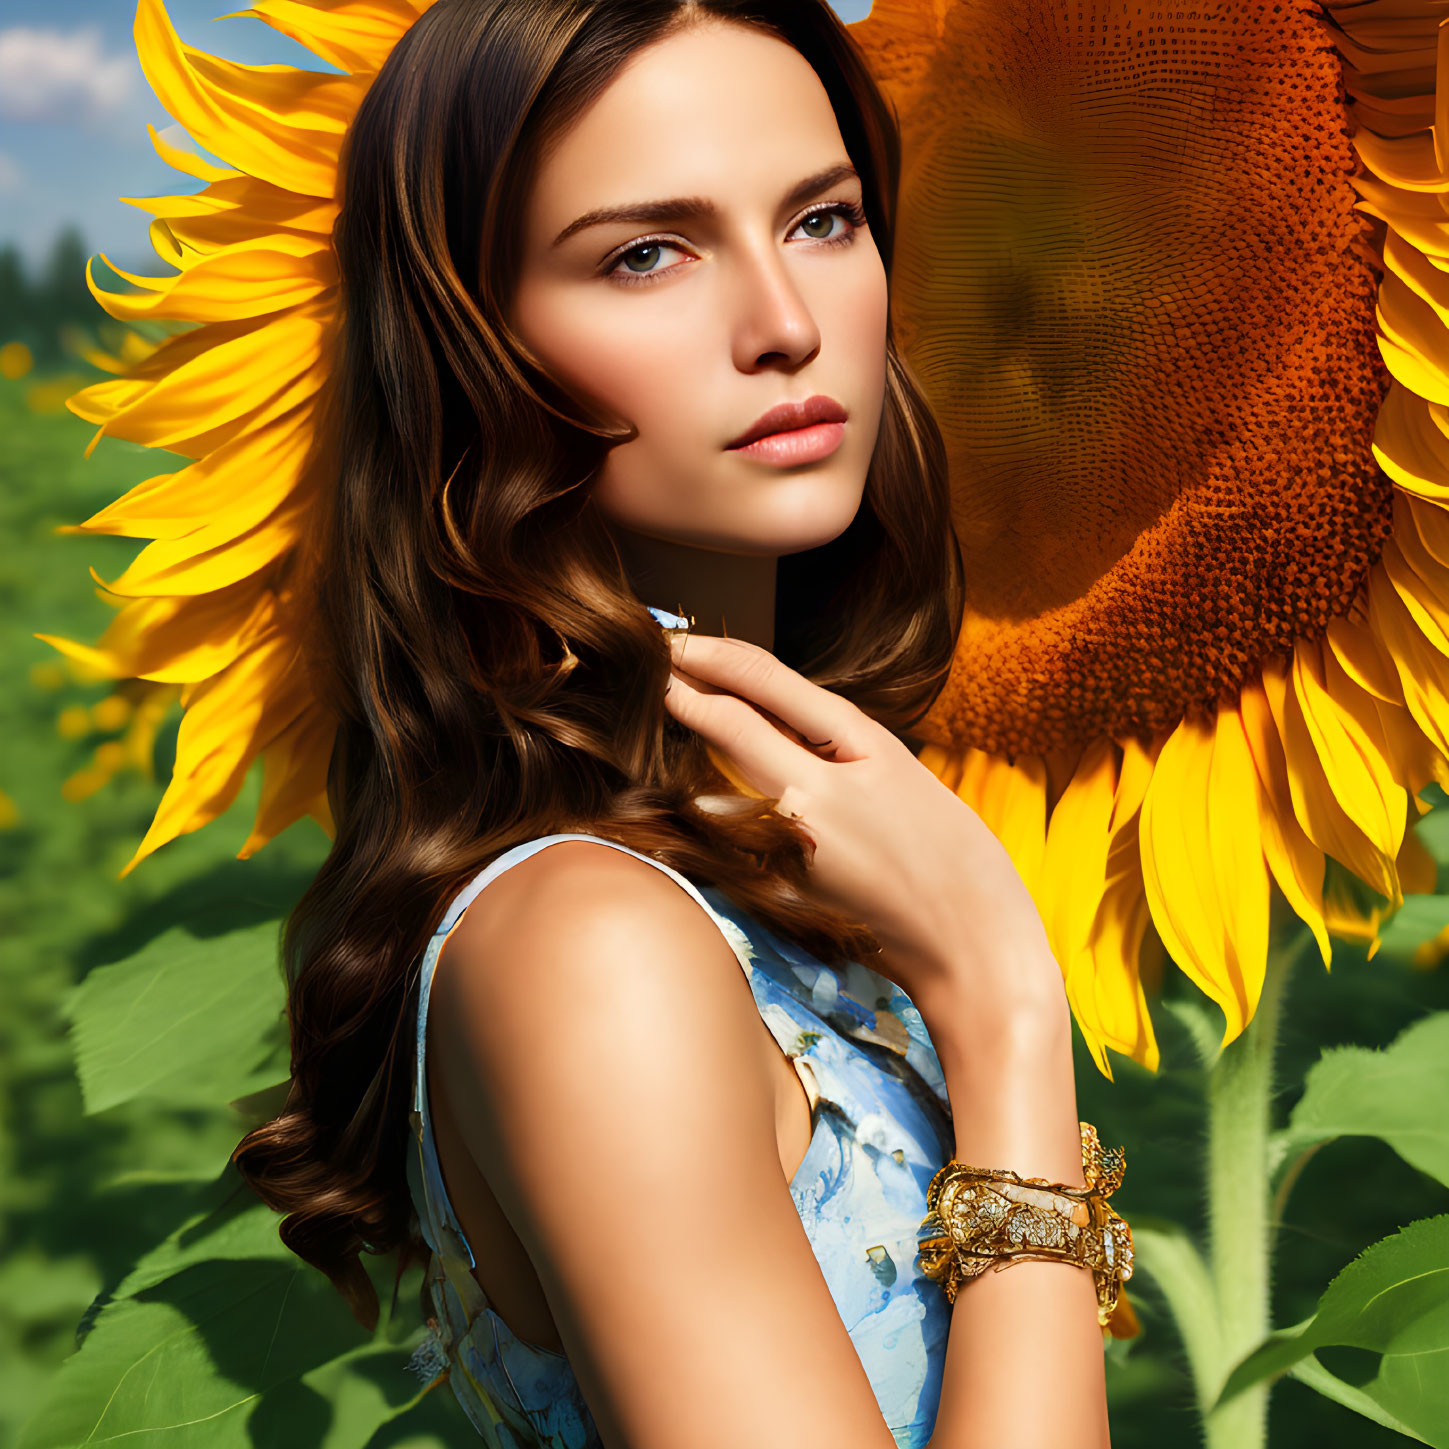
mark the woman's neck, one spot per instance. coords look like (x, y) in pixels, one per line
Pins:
(725, 593)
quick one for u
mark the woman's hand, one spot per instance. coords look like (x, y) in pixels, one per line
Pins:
(895, 848)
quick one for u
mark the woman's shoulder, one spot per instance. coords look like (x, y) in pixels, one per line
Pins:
(584, 984)
(569, 884)
(556, 917)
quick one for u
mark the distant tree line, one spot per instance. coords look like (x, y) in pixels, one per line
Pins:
(36, 306)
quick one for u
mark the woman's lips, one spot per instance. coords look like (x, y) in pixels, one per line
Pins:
(798, 445)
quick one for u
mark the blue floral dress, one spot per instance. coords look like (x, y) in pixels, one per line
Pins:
(881, 1129)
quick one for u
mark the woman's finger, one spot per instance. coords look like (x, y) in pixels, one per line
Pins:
(769, 759)
(824, 720)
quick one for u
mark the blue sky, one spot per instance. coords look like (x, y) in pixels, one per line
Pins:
(74, 108)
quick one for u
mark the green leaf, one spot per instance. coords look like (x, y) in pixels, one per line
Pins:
(222, 1339)
(187, 1020)
(1393, 1299)
(1433, 833)
(1417, 921)
(1165, 1252)
(1397, 1093)
(1311, 1372)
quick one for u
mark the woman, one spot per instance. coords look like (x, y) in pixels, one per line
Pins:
(651, 1222)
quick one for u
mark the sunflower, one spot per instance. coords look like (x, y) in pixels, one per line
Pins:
(1174, 281)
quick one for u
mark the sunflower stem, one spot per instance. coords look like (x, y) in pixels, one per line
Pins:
(1240, 1225)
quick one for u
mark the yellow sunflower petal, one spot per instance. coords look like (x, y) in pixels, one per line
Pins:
(1418, 273)
(1296, 863)
(1410, 447)
(244, 210)
(182, 567)
(1413, 340)
(355, 36)
(1359, 655)
(1075, 859)
(274, 122)
(187, 162)
(165, 243)
(1177, 871)
(294, 777)
(249, 279)
(229, 719)
(1407, 162)
(1133, 777)
(1346, 801)
(244, 481)
(1421, 581)
(1430, 522)
(178, 641)
(1203, 868)
(1419, 758)
(1235, 832)
(1116, 947)
(241, 375)
(1364, 713)
(1422, 667)
(1116, 941)
(1073, 876)
(1417, 216)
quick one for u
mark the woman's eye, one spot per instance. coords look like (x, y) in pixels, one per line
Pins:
(823, 219)
(646, 254)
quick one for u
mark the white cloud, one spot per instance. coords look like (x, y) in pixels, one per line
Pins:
(61, 75)
(11, 176)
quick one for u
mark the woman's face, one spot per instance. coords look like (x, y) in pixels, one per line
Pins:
(692, 323)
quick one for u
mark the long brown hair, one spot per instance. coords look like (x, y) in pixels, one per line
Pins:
(493, 675)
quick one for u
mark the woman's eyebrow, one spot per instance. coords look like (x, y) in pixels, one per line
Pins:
(690, 207)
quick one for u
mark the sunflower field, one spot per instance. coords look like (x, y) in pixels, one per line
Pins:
(1191, 361)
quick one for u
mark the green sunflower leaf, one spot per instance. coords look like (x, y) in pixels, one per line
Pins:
(191, 1020)
(1392, 1300)
(222, 1339)
(1397, 1093)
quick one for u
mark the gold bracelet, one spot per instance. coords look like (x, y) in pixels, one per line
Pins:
(979, 1218)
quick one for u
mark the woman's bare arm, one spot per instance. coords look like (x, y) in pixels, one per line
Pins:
(601, 1051)
(1024, 1360)
(958, 929)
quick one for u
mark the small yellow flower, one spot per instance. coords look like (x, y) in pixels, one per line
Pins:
(83, 784)
(74, 722)
(15, 361)
(112, 712)
(48, 676)
(110, 756)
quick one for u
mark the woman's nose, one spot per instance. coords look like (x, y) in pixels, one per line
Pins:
(774, 319)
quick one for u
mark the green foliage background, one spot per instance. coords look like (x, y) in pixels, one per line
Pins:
(121, 1228)
(37, 304)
